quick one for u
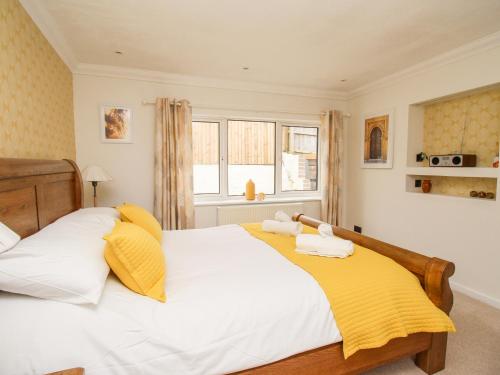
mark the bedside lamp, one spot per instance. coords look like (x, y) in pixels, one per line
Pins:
(95, 174)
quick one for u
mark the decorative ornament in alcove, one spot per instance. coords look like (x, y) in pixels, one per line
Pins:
(377, 147)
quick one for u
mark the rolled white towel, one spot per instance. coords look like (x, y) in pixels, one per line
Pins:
(325, 230)
(314, 244)
(282, 216)
(291, 228)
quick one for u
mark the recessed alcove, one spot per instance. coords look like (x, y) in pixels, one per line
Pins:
(463, 123)
(454, 186)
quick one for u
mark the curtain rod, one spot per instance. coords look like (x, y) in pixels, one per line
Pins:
(150, 102)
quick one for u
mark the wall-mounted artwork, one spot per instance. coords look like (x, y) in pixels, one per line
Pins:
(116, 124)
(378, 140)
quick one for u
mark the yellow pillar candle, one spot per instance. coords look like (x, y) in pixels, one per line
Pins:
(250, 191)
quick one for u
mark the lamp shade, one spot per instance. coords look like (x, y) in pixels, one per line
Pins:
(95, 173)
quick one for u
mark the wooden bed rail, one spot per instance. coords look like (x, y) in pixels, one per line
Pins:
(433, 273)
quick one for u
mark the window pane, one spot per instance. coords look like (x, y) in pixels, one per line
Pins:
(205, 157)
(250, 156)
(299, 158)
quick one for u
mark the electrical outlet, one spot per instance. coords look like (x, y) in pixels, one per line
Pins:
(418, 183)
(357, 228)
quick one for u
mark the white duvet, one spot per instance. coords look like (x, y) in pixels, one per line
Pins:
(233, 303)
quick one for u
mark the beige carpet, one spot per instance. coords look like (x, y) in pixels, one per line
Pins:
(474, 349)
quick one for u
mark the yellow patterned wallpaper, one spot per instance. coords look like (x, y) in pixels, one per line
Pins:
(461, 186)
(36, 91)
(444, 124)
(443, 128)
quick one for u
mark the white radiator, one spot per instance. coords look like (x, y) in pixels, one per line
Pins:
(252, 213)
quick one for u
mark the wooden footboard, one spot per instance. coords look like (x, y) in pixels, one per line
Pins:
(433, 273)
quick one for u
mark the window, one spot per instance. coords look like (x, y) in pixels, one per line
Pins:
(299, 158)
(206, 167)
(281, 158)
(250, 146)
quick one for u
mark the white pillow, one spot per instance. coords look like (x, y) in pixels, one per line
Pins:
(107, 211)
(8, 238)
(64, 261)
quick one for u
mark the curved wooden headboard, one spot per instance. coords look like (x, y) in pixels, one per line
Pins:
(34, 193)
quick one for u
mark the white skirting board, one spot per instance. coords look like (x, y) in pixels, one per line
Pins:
(475, 294)
(250, 213)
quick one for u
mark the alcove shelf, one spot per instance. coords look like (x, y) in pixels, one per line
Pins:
(457, 197)
(456, 186)
(454, 171)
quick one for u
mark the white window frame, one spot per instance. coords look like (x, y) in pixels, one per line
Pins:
(223, 164)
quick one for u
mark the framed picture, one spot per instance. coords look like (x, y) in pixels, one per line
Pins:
(378, 140)
(116, 124)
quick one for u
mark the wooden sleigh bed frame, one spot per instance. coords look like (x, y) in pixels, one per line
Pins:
(34, 193)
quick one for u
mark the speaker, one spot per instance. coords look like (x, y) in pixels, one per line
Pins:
(452, 160)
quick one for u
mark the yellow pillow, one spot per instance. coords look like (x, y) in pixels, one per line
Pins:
(141, 217)
(137, 259)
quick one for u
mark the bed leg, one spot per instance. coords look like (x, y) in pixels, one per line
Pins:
(433, 359)
(437, 287)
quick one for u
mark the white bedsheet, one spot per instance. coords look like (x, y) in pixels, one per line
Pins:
(232, 303)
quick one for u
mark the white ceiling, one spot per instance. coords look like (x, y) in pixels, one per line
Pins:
(303, 43)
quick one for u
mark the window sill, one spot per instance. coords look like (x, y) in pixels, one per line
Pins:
(239, 202)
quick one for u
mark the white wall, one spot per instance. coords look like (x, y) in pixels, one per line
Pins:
(131, 165)
(461, 230)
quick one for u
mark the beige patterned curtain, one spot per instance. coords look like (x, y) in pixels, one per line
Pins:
(332, 141)
(173, 199)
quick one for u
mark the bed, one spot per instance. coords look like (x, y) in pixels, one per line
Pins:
(34, 193)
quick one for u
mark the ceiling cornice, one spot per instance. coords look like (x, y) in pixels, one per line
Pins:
(195, 81)
(478, 46)
(47, 26)
(50, 30)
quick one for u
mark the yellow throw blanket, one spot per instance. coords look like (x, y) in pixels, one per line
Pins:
(372, 297)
